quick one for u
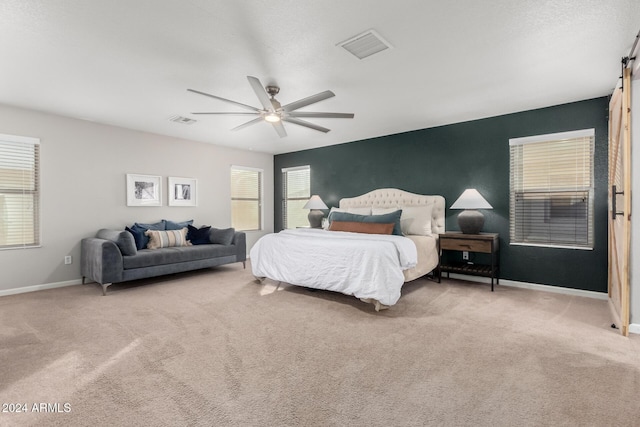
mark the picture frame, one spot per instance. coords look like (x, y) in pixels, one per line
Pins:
(182, 191)
(144, 190)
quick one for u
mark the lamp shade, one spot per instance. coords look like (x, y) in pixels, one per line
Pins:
(471, 199)
(315, 202)
(470, 220)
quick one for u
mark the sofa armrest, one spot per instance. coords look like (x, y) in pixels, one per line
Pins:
(101, 260)
(240, 240)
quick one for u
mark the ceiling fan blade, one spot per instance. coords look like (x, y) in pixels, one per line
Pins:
(249, 123)
(280, 129)
(322, 115)
(305, 124)
(308, 100)
(248, 107)
(231, 114)
(261, 93)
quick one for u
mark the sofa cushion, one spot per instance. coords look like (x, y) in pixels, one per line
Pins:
(152, 257)
(171, 225)
(167, 238)
(222, 236)
(123, 239)
(198, 236)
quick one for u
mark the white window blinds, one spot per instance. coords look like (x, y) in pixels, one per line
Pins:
(246, 198)
(551, 189)
(296, 183)
(19, 191)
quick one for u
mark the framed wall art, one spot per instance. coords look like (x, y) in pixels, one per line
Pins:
(144, 190)
(183, 191)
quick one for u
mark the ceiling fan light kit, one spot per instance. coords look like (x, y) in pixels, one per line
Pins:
(275, 113)
(272, 117)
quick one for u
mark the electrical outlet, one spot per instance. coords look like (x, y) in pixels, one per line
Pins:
(68, 259)
(465, 255)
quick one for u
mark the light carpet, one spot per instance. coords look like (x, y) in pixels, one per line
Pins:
(214, 347)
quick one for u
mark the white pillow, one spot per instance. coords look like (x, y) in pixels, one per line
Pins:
(416, 220)
(382, 211)
(360, 211)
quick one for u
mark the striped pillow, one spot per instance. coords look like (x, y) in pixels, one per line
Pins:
(167, 238)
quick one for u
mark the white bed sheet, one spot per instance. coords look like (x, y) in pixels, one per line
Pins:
(367, 266)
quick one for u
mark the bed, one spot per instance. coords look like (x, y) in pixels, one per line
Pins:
(371, 267)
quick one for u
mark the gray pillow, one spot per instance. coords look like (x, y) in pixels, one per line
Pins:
(123, 239)
(222, 236)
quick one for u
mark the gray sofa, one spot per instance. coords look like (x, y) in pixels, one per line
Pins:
(112, 257)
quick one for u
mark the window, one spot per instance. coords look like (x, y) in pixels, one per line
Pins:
(551, 189)
(246, 198)
(296, 186)
(19, 192)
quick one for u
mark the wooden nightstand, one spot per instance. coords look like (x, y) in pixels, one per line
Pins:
(482, 243)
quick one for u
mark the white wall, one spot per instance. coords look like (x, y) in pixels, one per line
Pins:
(83, 167)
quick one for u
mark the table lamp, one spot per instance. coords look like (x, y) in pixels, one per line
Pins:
(470, 220)
(315, 203)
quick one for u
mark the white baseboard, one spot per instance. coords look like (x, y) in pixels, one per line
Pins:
(34, 288)
(534, 286)
(634, 328)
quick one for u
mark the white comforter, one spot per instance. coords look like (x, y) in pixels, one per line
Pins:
(368, 266)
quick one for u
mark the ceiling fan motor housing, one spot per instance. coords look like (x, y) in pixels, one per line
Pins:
(272, 90)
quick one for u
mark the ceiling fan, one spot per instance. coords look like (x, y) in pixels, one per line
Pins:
(275, 113)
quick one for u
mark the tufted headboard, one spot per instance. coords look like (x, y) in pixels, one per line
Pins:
(392, 197)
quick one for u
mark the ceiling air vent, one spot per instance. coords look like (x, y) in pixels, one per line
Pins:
(365, 44)
(183, 120)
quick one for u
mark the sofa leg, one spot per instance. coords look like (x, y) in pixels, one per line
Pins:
(83, 280)
(244, 265)
(104, 288)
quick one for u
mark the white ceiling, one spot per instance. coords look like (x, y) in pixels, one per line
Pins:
(129, 62)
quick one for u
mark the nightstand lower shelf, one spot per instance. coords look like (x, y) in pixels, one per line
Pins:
(471, 269)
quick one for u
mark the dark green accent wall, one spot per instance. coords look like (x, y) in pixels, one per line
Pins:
(447, 159)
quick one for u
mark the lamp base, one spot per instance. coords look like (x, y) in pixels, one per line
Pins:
(470, 221)
(315, 218)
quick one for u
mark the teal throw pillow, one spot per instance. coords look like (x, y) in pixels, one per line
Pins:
(171, 225)
(138, 236)
(142, 228)
(392, 217)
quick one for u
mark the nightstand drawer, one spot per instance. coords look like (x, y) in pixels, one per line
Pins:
(465, 245)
